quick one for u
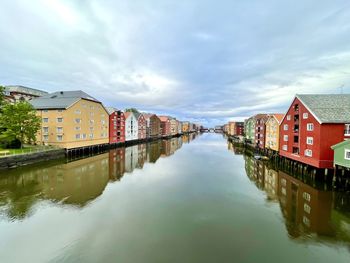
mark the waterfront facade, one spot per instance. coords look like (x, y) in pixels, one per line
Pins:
(249, 129)
(141, 126)
(260, 130)
(273, 131)
(153, 123)
(312, 124)
(131, 126)
(165, 125)
(185, 126)
(71, 119)
(173, 126)
(116, 125)
(342, 154)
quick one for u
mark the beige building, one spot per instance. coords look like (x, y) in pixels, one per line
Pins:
(273, 131)
(173, 126)
(71, 119)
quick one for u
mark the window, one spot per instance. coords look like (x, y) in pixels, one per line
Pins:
(309, 140)
(310, 127)
(59, 138)
(308, 152)
(84, 135)
(347, 154)
(307, 196)
(45, 120)
(347, 129)
(78, 128)
(306, 221)
(305, 115)
(307, 208)
(77, 112)
(285, 147)
(288, 117)
(77, 120)
(77, 136)
(285, 127)
(45, 129)
(91, 135)
(103, 122)
(92, 121)
(59, 119)
(285, 138)
(46, 137)
(59, 130)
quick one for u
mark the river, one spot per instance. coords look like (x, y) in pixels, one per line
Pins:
(188, 199)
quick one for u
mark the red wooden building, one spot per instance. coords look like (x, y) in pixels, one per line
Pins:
(165, 125)
(260, 129)
(116, 125)
(312, 125)
(239, 128)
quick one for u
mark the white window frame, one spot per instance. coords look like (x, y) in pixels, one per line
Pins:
(346, 152)
(288, 117)
(46, 129)
(308, 153)
(310, 140)
(59, 138)
(285, 147)
(347, 129)
(59, 130)
(77, 120)
(45, 120)
(285, 138)
(77, 136)
(305, 115)
(59, 118)
(46, 137)
(285, 127)
(310, 127)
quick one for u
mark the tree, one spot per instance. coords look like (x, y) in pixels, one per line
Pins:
(132, 110)
(2, 96)
(19, 122)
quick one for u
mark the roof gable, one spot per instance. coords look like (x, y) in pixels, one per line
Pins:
(344, 143)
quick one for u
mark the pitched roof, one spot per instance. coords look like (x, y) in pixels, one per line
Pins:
(148, 115)
(60, 99)
(340, 144)
(327, 108)
(110, 110)
(277, 116)
(163, 118)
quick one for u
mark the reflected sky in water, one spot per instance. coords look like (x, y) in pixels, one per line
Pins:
(181, 200)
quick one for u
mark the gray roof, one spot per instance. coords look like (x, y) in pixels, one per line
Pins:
(110, 110)
(26, 90)
(334, 108)
(60, 99)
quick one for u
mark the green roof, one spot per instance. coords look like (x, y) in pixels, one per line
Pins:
(346, 142)
(328, 108)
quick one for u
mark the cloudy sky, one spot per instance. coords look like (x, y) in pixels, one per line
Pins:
(201, 60)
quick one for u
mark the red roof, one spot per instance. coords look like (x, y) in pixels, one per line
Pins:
(278, 116)
(163, 118)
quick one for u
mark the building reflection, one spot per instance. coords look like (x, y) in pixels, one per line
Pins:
(309, 213)
(76, 183)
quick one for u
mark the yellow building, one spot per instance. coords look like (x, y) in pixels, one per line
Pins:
(185, 126)
(272, 131)
(71, 119)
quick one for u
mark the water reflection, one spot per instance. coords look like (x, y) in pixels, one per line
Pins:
(78, 182)
(309, 212)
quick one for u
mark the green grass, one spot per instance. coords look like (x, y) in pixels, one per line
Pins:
(25, 149)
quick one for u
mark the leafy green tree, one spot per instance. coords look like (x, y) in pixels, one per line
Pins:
(134, 110)
(2, 96)
(19, 122)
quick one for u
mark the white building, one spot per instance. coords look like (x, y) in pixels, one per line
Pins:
(131, 126)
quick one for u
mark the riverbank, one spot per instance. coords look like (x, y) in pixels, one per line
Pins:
(14, 161)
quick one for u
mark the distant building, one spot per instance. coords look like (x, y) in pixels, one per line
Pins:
(312, 124)
(153, 123)
(273, 131)
(15, 94)
(260, 129)
(131, 126)
(165, 125)
(249, 128)
(185, 126)
(116, 125)
(141, 121)
(173, 126)
(71, 119)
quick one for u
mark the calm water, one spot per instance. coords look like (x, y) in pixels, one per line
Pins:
(182, 200)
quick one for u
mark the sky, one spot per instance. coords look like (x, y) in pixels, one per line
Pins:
(199, 60)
